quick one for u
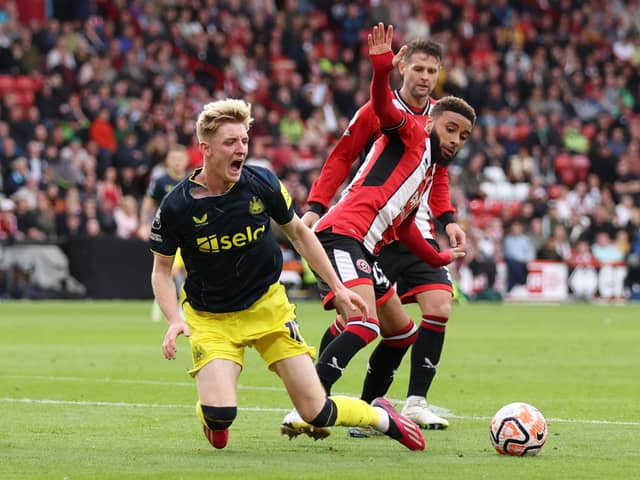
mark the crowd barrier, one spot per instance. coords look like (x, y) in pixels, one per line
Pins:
(111, 268)
(550, 281)
(94, 268)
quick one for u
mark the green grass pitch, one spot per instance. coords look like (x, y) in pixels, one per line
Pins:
(86, 394)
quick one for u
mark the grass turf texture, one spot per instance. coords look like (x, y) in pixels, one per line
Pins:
(86, 394)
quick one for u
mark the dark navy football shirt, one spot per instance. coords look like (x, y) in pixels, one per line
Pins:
(159, 187)
(230, 253)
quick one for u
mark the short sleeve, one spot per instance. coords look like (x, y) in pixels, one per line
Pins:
(159, 191)
(163, 237)
(279, 201)
(151, 188)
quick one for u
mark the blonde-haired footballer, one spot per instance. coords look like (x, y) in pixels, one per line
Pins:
(220, 219)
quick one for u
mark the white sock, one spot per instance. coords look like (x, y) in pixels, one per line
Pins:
(383, 422)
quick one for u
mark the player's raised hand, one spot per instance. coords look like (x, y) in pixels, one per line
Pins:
(380, 39)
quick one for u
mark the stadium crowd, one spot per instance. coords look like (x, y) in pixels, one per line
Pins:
(93, 94)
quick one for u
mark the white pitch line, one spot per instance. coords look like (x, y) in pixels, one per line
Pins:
(47, 401)
(129, 381)
(551, 420)
(263, 409)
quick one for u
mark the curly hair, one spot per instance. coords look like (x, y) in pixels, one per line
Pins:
(454, 104)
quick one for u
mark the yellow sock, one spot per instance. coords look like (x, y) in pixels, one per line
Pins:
(353, 412)
(199, 413)
(181, 296)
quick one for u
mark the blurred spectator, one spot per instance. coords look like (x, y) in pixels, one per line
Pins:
(624, 210)
(27, 224)
(517, 251)
(580, 200)
(102, 132)
(627, 182)
(45, 217)
(536, 233)
(621, 241)
(60, 56)
(93, 102)
(17, 176)
(549, 251)
(472, 177)
(481, 259)
(581, 255)
(72, 164)
(109, 192)
(129, 154)
(599, 221)
(258, 155)
(8, 221)
(521, 166)
(562, 245)
(126, 217)
(604, 250)
(291, 126)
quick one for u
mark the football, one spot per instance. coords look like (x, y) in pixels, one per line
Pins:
(518, 429)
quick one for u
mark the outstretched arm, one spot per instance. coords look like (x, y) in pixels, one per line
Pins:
(409, 234)
(363, 129)
(440, 203)
(307, 244)
(382, 59)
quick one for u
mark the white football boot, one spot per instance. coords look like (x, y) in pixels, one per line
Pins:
(417, 409)
(293, 425)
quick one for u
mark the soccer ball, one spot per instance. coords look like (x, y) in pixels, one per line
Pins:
(518, 429)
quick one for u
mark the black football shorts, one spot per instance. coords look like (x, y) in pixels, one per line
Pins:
(410, 274)
(354, 265)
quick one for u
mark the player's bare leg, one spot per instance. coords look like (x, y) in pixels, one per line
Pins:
(217, 399)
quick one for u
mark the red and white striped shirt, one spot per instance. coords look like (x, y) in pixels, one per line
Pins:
(395, 176)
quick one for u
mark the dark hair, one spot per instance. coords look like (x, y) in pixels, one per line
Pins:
(454, 104)
(420, 45)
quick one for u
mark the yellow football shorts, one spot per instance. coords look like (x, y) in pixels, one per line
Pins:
(178, 262)
(269, 325)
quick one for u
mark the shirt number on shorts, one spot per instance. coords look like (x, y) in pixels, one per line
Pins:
(378, 276)
(448, 273)
(294, 331)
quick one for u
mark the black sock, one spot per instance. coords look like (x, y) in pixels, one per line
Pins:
(327, 338)
(425, 357)
(336, 356)
(327, 416)
(394, 431)
(383, 364)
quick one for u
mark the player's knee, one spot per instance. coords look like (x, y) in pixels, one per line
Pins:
(367, 329)
(442, 309)
(219, 418)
